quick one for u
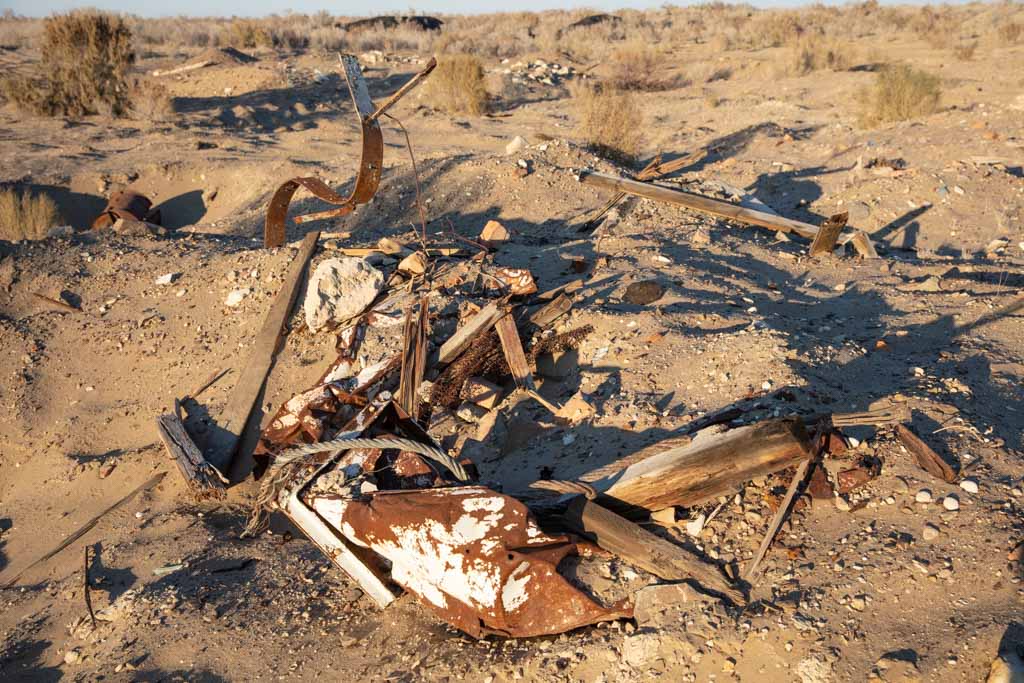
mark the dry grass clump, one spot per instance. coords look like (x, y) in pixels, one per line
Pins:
(86, 57)
(246, 33)
(26, 216)
(816, 54)
(1011, 33)
(636, 66)
(457, 85)
(900, 93)
(151, 100)
(965, 49)
(609, 121)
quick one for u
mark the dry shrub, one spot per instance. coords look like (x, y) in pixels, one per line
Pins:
(636, 66)
(609, 121)
(151, 101)
(815, 54)
(457, 85)
(86, 57)
(900, 93)
(25, 216)
(247, 33)
(773, 29)
(1011, 33)
(964, 51)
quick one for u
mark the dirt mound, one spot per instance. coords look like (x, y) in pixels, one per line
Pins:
(219, 56)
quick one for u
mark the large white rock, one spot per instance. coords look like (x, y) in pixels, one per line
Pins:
(339, 289)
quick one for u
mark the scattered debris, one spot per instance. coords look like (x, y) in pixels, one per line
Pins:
(127, 205)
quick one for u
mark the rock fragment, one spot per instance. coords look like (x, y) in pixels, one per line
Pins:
(339, 290)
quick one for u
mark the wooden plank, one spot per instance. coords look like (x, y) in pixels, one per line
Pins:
(464, 336)
(862, 243)
(552, 311)
(714, 207)
(643, 549)
(202, 478)
(825, 241)
(513, 349)
(926, 458)
(708, 467)
(233, 422)
(414, 359)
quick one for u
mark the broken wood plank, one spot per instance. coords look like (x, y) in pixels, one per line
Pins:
(414, 360)
(825, 241)
(862, 243)
(56, 303)
(926, 458)
(714, 207)
(643, 549)
(710, 466)
(780, 517)
(514, 355)
(202, 478)
(552, 311)
(464, 336)
(234, 421)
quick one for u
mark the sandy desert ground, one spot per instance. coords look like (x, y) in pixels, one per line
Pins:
(892, 589)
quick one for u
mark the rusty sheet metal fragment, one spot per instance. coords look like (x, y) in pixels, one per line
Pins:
(476, 557)
(371, 159)
(126, 204)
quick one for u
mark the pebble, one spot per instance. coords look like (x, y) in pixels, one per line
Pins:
(930, 532)
(969, 485)
(72, 657)
(842, 504)
(167, 279)
(951, 503)
(899, 485)
(517, 144)
(235, 296)
(923, 496)
(696, 525)
(858, 603)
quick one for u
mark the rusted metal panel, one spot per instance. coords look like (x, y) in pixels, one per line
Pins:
(474, 556)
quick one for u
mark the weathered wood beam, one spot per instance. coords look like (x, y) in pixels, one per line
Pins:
(643, 549)
(464, 336)
(708, 467)
(202, 478)
(233, 422)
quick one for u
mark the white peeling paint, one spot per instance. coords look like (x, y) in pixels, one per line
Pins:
(514, 593)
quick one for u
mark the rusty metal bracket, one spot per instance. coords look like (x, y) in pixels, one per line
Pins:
(371, 160)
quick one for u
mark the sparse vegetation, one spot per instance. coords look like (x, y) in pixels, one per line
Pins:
(457, 85)
(26, 216)
(964, 50)
(609, 122)
(638, 67)
(247, 33)
(816, 54)
(1011, 33)
(86, 57)
(900, 93)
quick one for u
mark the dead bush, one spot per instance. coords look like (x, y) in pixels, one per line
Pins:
(151, 101)
(26, 216)
(457, 85)
(636, 66)
(609, 121)
(1011, 33)
(246, 33)
(964, 51)
(900, 93)
(86, 57)
(816, 54)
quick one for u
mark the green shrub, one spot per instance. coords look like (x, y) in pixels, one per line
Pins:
(900, 93)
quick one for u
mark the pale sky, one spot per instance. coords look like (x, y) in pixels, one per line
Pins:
(256, 8)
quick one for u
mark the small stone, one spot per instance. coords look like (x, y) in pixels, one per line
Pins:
(339, 290)
(951, 503)
(494, 233)
(568, 439)
(235, 296)
(696, 525)
(930, 532)
(899, 485)
(167, 279)
(414, 264)
(644, 292)
(517, 144)
(923, 496)
(889, 500)
(858, 603)
(969, 485)
(842, 504)
(72, 657)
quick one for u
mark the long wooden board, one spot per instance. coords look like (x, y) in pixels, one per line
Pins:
(643, 549)
(233, 422)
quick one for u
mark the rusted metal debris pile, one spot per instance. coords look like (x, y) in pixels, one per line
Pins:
(357, 461)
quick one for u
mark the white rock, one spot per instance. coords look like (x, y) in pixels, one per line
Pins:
(72, 657)
(518, 143)
(236, 295)
(340, 289)
(167, 279)
(930, 532)
(923, 496)
(568, 439)
(842, 504)
(696, 525)
(951, 503)
(969, 485)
